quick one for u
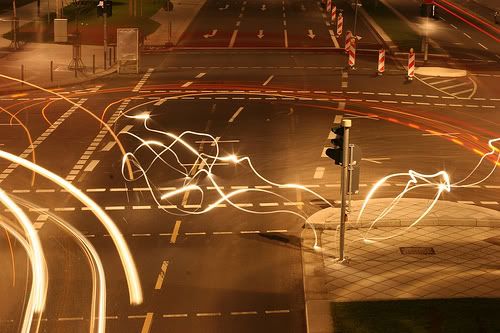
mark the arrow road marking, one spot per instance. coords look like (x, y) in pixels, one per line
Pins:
(211, 34)
(311, 34)
(261, 34)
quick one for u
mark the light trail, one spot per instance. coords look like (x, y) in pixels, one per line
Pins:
(38, 296)
(134, 286)
(206, 163)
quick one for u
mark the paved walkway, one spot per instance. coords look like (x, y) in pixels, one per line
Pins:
(36, 57)
(462, 242)
(173, 23)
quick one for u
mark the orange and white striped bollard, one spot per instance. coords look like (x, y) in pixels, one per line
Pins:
(411, 64)
(352, 53)
(334, 13)
(347, 45)
(328, 6)
(340, 24)
(381, 62)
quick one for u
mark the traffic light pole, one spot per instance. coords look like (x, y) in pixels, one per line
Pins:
(105, 39)
(346, 123)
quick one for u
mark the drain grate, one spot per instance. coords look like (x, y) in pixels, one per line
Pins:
(417, 250)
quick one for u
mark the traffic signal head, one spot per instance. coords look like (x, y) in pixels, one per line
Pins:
(336, 153)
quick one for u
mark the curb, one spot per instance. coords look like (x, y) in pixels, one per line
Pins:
(58, 84)
(427, 222)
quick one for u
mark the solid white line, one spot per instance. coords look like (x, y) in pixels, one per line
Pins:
(187, 84)
(175, 232)
(235, 114)
(161, 276)
(318, 174)
(91, 166)
(268, 80)
(147, 323)
(233, 38)
(108, 146)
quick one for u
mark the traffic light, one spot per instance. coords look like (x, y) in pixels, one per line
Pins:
(100, 8)
(336, 153)
(108, 6)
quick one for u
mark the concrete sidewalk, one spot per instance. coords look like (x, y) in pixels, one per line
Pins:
(174, 23)
(461, 243)
(36, 57)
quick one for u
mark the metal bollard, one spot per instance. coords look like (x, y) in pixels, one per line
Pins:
(110, 54)
(93, 64)
(22, 74)
(105, 58)
(51, 71)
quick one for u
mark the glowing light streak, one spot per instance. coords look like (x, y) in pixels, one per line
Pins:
(36, 303)
(135, 291)
(109, 129)
(205, 163)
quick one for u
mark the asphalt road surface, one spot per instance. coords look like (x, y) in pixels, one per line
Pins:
(234, 268)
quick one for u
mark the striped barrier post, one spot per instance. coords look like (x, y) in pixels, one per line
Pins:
(381, 62)
(352, 53)
(334, 13)
(347, 45)
(340, 23)
(328, 6)
(411, 64)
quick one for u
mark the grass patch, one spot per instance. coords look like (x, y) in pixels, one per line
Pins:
(400, 33)
(467, 315)
(90, 25)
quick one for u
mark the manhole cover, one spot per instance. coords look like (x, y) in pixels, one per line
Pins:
(417, 250)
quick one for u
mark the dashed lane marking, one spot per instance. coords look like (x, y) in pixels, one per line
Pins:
(145, 77)
(208, 314)
(233, 117)
(175, 232)
(161, 275)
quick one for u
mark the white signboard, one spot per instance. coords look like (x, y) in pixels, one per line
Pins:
(127, 50)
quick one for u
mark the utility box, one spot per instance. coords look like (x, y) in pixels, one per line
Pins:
(60, 30)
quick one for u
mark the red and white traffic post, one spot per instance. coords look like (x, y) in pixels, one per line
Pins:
(340, 24)
(411, 64)
(347, 45)
(381, 62)
(334, 13)
(328, 6)
(352, 53)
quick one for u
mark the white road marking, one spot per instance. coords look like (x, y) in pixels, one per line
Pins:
(323, 153)
(276, 311)
(108, 146)
(492, 186)
(318, 174)
(489, 202)
(91, 166)
(484, 47)
(69, 318)
(40, 221)
(250, 232)
(376, 160)
(160, 102)
(195, 233)
(468, 36)
(334, 39)
(337, 120)
(208, 314)
(187, 84)
(147, 323)
(200, 75)
(286, 35)
(136, 316)
(238, 313)
(268, 80)
(139, 85)
(235, 114)
(175, 232)
(233, 38)
(222, 232)
(161, 275)
(277, 231)
(465, 202)
(126, 129)
(175, 315)
(268, 204)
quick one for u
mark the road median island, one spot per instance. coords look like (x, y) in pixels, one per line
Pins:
(400, 35)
